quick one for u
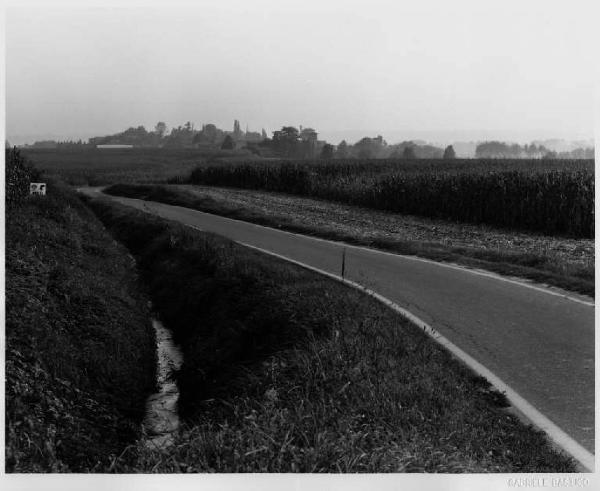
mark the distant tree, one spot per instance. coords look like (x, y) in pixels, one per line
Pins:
(228, 143)
(409, 152)
(428, 152)
(581, 153)
(210, 133)
(327, 152)
(365, 153)
(237, 132)
(307, 146)
(502, 150)
(370, 148)
(285, 141)
(308, 134)
(198, 138)
(497, 150)
(182, 136)
(252, 136)
(289, 133)
(160, 129)
(342, 151)
(264, 134)
(449, 153)
(364, 148)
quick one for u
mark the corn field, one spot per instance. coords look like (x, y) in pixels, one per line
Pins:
(551, 197)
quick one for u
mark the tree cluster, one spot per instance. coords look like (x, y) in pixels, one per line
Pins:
(577, 153)
(185, 136)
(378, 148)
(291, 142)
(502, 150)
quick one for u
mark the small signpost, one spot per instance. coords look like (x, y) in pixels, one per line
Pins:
(37, 188)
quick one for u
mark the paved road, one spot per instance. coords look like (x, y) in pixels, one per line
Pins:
(539, 341)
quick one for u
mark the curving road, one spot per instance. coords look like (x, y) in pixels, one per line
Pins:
(539, 341)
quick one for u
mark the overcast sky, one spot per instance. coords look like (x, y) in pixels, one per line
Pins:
(439, 70)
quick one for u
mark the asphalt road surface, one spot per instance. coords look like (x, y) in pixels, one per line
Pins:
(540, 341)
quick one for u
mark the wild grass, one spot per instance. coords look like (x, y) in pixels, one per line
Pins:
(286, 371)
(552, 197)
(80, 355)
(533, 265)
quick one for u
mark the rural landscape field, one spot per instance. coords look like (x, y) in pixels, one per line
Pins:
(237, 412)
(211, 295)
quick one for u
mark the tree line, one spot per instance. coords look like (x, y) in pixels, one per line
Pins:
(303, 143)
(497, 149)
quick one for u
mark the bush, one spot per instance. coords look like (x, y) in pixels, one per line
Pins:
(18, 174)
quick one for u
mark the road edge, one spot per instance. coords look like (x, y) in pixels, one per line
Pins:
(561, 439)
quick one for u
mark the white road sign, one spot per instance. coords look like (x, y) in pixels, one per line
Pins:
(37, 188)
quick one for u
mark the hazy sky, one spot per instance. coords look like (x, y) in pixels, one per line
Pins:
(460, 69)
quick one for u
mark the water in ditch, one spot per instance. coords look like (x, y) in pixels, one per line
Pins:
(162, 420)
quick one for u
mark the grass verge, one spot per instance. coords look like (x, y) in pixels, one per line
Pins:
(287, 371)
(531, 265)
(80, 354)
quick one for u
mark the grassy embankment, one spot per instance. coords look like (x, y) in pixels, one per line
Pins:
(287, 371)
(80, 354)
(531, 263)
